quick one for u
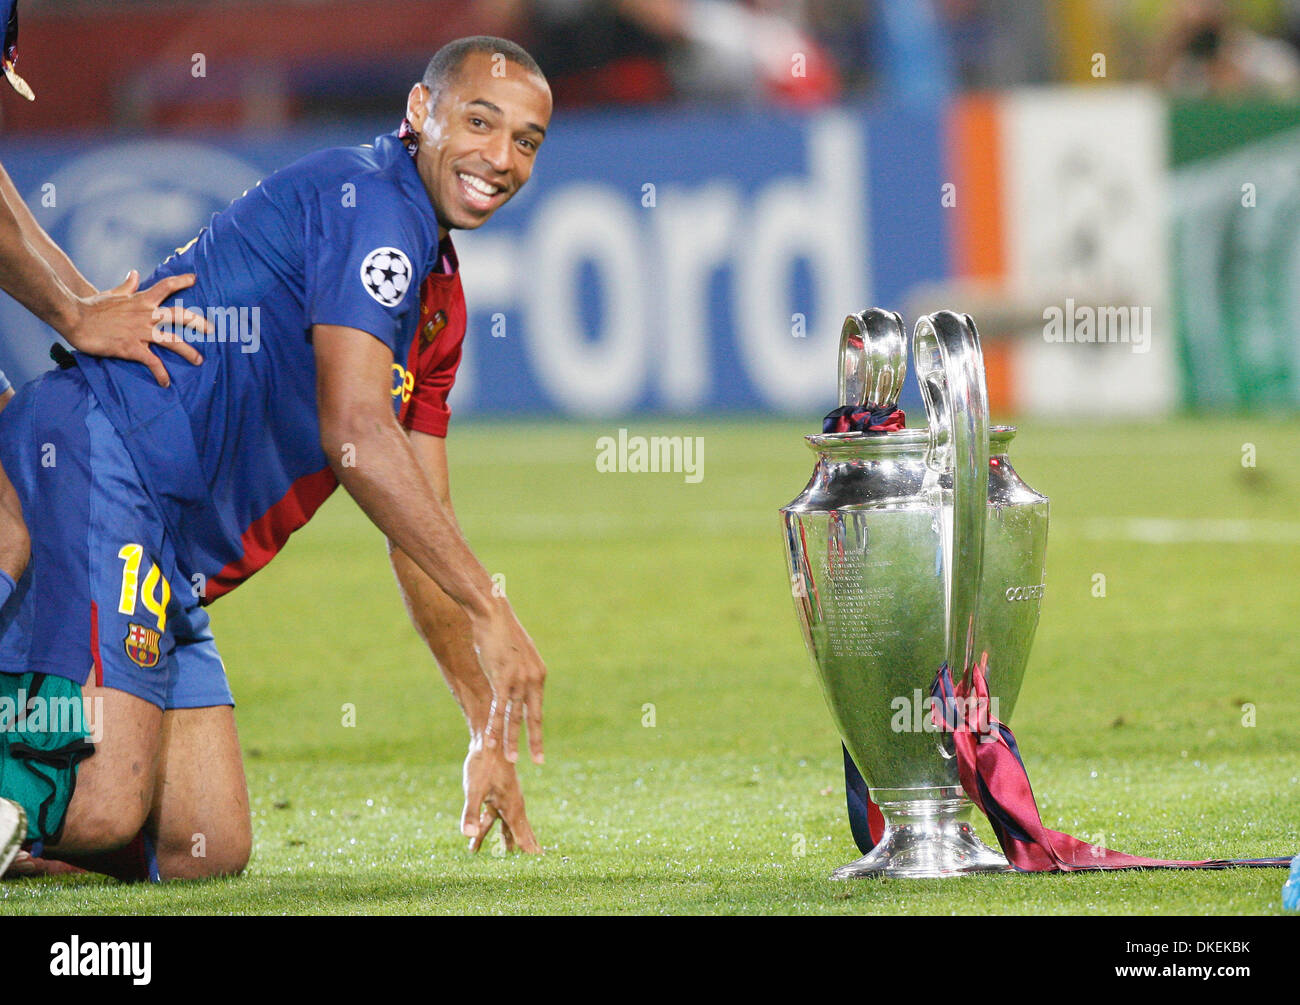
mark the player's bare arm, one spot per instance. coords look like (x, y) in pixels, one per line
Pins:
(123, 322)
(24, 238)
(440, 620)
(384, 475)
(490, 781)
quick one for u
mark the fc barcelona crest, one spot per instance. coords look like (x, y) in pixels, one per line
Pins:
(430, 331)
(141, 645)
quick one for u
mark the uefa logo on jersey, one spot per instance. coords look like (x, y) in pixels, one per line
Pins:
(386, 274)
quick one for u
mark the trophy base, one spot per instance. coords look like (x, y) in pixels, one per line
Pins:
(925, 838)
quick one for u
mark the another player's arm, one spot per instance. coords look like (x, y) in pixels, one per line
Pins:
(20, 218)
(33, 269)
(120, 322)
(384, 475)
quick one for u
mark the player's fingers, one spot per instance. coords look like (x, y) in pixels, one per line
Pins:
(475, 793)
(175, 341)
(527, 840)
(484, 826)
(520, 831)
(128, 285)
(164, 288)
(534, 699)
(155, 366)
(496, 723)
(184, 350)
(514, 719)
(535, 724)
(182, 317)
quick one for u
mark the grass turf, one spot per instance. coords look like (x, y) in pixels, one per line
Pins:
(641, 589)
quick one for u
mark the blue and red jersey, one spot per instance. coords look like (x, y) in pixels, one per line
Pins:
(231, 452)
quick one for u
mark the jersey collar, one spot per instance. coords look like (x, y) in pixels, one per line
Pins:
(393, 151)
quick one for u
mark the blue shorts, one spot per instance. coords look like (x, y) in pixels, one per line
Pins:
(102, 600)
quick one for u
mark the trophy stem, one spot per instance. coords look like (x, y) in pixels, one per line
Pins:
(927, 836)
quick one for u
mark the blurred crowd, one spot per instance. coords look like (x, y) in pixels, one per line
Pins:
(811, 51)
(314, 58)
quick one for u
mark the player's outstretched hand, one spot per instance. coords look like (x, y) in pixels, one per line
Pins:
(517, 675)
(125, 321)
(492, 793)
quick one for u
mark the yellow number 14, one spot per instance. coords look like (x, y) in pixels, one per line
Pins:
(131, 556)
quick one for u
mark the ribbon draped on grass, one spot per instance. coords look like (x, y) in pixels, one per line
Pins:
(994, 777)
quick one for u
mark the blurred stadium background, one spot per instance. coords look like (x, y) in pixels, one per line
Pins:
(725, 177)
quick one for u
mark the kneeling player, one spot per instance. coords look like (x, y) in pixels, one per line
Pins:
(158, 489)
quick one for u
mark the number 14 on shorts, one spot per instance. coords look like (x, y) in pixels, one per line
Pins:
(155, 594)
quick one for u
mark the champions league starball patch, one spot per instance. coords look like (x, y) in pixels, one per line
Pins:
(386, 275)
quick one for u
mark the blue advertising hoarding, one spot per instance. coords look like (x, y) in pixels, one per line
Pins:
(659, 262)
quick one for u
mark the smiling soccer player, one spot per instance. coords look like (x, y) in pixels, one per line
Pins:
(189, 490)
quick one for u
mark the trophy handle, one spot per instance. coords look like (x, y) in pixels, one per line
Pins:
(950, 369)
(873, 358)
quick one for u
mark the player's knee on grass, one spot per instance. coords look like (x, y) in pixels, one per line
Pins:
(115, 788)
(201, 821)
(95, 828)
(216, 841)
(205, 856)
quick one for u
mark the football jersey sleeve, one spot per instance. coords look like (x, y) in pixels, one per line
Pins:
(363, 258)
(436, 355)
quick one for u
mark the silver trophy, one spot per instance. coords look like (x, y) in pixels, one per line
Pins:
(907, 550)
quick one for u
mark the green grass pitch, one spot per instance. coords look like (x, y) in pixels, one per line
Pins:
(642, 590)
